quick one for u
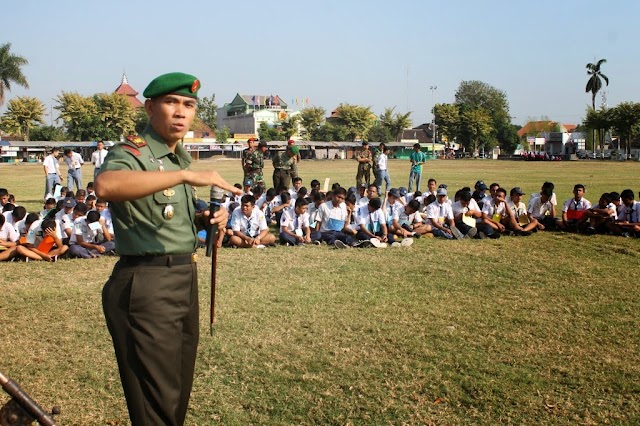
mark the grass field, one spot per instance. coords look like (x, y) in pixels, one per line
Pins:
(536, 330)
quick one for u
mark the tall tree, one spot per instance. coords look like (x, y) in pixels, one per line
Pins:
(625, 119)
(594, 84)
(598, 121)
(311, 119)
(11, 70)
(290, 126)
(356, 119)
(47, 133)
(222, 135)
(23, 113)
(208, 111)
(448, 120)
(476, 125)
(117, 116)
(395, 122)
(379, 133)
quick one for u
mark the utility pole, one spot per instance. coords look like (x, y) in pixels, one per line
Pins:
(433, 122)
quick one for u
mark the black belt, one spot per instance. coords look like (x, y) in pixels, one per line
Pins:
(161, 260)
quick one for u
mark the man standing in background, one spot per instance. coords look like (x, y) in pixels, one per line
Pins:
(74, 162)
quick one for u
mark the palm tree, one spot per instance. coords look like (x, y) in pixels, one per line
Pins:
(594, 84)
(10, 70)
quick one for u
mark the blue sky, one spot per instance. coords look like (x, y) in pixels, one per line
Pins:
(376, 53)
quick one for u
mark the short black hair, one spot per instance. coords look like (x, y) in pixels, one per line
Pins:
(579, 186)
(8, 208)
(248, 199)
(300, 202)
(548, 185)
(351, 198)
(376, 203)
(464, 195)
(315, 182)
(31, 217)
(340, 191)
(48, 223)
(93, 216)
(614, 196)
(285, 197)
(18, 213)
(3, 192)
(628, 194)
(414, 204)
(547, 192)
(81, 208)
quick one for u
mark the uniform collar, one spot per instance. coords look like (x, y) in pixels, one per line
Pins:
(159, 148)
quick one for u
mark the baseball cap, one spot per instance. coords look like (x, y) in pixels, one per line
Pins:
(201, 205)
(517, 190)
(362, 185)
(393, 192)
(441, 191)
(69, 203)
(352, 189)
(403, 191)
(262, 144)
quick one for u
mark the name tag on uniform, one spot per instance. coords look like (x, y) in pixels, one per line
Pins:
(441, 220)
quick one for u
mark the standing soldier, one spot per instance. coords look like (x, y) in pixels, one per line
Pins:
(251, 143)
(150, 301)
(282, 166)
(254, 164)
(294, 166)
(364, 165)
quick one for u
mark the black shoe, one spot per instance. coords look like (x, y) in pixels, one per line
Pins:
(494, 236)
(523, 233)
(481, 235)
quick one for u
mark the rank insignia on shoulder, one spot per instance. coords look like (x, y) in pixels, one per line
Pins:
(131, 150)
(136, 140)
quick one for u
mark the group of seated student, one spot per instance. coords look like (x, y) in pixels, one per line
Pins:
(360, 217)
(74, 225)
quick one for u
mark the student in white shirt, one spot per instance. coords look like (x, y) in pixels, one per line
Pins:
(97, 158)
(382, 170)
(466, 213)
(294, 226)
(440, 215)
(542, 210)
(629, 219)
(601, 216)
(249, 226)
(51, 171)
(408, 222)
(573, 219)
(332, 220)
(9, 242)
(297, 184)
(373, 224)
(90, 237)
(74, 163)
(495, 213)
(517, 219)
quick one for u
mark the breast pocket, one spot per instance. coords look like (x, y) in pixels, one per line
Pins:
(168, 204)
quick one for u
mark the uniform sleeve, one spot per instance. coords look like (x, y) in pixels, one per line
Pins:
(120, 158)
(262, 221)
(235, 222)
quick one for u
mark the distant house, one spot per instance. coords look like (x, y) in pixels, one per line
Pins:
(129, 92)
(244, 114)
(419, 134)
(552, 137)
(534, 128)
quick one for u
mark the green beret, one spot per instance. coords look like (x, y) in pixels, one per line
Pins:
(176, 83)
(294, 149)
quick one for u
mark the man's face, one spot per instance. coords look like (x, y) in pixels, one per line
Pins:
(578, 192)
(362, 190)
(516, 198)
(247, 209)
(4, 199)
(365, 147)
(337, 199)
(441, 199)
(627, 202)
(432, 186)
(297, 185)
(50, 206)
(100, 206)
(392, 199)
(80, 198)
(55, 152)
(493, 189)
(171, 115)
(70, 154)
(100, 145)
(373, 192)
(301, 209)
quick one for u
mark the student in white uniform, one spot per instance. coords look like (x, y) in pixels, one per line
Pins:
(249, 226)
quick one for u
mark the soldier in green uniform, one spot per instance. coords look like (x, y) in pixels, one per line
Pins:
(150, 301)
(246, 154)
(282, 166)
(254, 163)
(293, 172)
(364, 165)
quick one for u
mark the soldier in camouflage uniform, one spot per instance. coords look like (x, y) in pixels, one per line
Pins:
(282, 162)
(251, 143)
(294, 166)
(364, 165)
(254, 163)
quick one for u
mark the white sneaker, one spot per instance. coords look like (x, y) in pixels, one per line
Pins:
(340, 245)
(261, 246)
(396, 244)
(406, 242)
(456, 233)
(377, 243)
(472, 233)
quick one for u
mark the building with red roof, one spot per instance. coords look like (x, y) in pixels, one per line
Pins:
(129, 92)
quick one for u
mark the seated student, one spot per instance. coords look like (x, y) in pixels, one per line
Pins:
(9, 246)
(44, 240)
(303, 193)
(81, 196)
(353, 219)
(332, 220)
(281, 202)
(573, 219)
(440, 215)
(408, 222)
(90, 237)
(17, 217)
(602, 216)
(101, 207)
(466, 213)
(7, 211)
(549, 185)
(542, 210)
(629, 219)
(615, 199)
(495, 213)
(492, 190)
(4, 198)
(432, 187)
(519, 221)
(91, 202)
(394, 210)
(65, 218)
(315, 185)
(295, 228)
(361, 195)
(297, 184)
(90, 190)
(49, 208)
(12, 200)
(480, 193)
(373, 226)
(249, 226)
(247, 186)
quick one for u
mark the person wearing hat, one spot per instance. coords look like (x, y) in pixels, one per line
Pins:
(293, 172)
(365, 161)
(440, 214)
(522, 223)
(282, 162)
(418, 158)
(150, 301)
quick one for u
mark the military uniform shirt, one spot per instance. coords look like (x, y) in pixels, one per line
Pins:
(139, 225)
(282, 161)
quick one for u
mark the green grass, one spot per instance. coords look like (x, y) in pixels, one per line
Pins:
(537, 330)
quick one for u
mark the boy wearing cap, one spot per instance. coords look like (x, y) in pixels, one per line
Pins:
(418, 158)
(519, 221)
(149, 186)
(440, 215)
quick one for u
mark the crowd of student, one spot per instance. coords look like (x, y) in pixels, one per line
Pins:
(79, 225)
